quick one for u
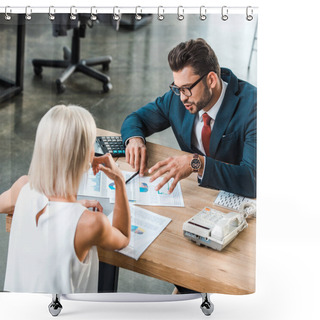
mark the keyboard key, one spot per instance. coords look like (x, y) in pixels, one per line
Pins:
(111, 144)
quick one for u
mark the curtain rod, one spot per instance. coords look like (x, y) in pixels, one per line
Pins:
(127, 9)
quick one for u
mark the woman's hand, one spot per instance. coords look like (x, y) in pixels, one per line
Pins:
(108, 166)
(94, 204)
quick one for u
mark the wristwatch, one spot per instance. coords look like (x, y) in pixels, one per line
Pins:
(195, 163)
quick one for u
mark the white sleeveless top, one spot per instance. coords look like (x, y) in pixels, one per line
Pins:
(42, 258)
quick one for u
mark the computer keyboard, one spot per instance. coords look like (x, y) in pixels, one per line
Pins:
(112, 145)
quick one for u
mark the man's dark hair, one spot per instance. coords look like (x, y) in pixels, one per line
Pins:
(195, 53)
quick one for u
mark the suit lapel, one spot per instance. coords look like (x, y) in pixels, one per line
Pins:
(224, 115)
(187, 127)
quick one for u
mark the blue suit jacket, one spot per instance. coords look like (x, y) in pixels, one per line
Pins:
(232, 162)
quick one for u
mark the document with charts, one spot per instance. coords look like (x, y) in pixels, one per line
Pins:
(132, 192)
(145, 228)
(93, 185)
(100, 185)
(141, 191)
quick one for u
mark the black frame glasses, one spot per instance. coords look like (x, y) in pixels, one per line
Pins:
(185, 90)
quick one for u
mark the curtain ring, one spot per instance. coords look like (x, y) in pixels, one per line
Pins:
(249, 16)
(203, 13)
(51, 13)
(160, 15)
(116, 16)
(72, 14)
(180, 15)
(6, 14)
(224, 13)
(93, 16)
(138, 16)
(28, 13)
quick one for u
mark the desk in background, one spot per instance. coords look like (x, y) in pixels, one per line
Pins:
(173, 258)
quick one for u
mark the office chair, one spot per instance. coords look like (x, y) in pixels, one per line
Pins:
(71, 59)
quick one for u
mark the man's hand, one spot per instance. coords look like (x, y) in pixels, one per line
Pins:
(174, 167)
(136, 155)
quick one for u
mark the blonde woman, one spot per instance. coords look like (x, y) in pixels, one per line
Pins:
(54, 238)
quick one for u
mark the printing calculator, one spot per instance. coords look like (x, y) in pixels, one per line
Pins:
(213, 228)
(110, 144)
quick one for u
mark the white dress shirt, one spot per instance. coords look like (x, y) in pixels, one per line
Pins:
(198, 122)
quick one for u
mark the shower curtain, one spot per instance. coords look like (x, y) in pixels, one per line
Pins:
(137, 46)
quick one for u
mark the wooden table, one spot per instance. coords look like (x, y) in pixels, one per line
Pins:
(173, 258)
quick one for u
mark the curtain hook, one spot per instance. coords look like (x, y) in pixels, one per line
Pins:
(6, 14)
(160, 15)
(203, 13)
(180, 15)
(28, 13)
(116, 16)
(73, 14)
(51, 13)
(93, 16)
(138, 16)
(249, 16)
(224, 13)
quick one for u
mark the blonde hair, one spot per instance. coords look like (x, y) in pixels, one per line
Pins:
(64, 140)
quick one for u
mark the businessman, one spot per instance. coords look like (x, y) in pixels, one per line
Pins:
(213, 116)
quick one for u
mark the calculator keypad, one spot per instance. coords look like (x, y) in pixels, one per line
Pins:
(112, 145)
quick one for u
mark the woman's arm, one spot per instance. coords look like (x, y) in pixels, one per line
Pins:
(102, 233)
(9, 198)
(121, 211)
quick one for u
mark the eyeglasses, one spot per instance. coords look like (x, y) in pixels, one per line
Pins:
(185, 90)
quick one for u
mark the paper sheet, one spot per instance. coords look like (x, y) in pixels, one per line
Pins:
(149, 196)
(130, 187)
(145, 228)
(93, 185)
(139, 190)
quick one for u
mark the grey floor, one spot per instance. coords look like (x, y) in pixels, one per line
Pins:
(139, 73)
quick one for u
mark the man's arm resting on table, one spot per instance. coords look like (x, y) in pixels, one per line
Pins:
(9, 198)
(151, 118)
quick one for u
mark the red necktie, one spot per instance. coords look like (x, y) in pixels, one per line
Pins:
(206, 133)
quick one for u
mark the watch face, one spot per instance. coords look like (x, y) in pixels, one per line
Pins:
(195, 164)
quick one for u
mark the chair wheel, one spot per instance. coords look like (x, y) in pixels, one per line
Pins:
(107, 87)
(55, 308)
(37, 70)
(60, 87)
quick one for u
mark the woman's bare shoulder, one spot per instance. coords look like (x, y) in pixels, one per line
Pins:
(93, 223)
